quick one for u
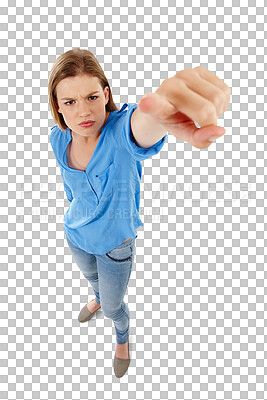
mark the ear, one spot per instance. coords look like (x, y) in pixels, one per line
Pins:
(107, 94)
(57, 107)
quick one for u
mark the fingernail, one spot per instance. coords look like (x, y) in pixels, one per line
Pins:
(212, 138)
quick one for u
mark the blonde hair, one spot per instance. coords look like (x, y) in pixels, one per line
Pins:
(71, 63)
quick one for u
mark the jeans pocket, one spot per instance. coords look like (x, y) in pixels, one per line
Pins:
(122, 253)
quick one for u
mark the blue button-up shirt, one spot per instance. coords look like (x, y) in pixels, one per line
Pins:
(104, 199)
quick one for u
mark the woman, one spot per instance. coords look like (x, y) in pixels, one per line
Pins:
(100, 164)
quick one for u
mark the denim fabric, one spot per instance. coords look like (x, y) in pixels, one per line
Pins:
(109, 275)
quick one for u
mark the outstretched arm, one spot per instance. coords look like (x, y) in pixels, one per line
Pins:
(191, 95)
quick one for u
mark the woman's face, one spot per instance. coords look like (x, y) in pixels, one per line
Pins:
(77, 103)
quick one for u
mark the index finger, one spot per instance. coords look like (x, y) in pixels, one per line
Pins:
(188, 102)
(215, 80)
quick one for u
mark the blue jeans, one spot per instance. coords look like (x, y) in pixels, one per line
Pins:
(109, 275)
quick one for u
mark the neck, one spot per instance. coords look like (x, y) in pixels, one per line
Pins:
(84, 141)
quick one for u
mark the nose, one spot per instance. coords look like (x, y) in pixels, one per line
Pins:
(84, 109)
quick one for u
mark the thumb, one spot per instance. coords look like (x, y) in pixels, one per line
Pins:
(157, 106)
(208, 133)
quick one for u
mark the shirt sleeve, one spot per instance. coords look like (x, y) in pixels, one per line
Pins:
(68, 192)
(55, 150)
(138, 153)
(67, 188)
(52, 136)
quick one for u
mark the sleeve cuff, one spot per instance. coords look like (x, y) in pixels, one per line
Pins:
(138, 152)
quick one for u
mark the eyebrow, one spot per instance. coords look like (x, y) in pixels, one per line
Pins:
(70, 98)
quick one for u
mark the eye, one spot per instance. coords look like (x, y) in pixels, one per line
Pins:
(96, 97)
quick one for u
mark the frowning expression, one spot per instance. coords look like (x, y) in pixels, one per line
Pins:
(81, 98)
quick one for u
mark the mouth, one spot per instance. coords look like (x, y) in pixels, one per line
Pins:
(87, 123)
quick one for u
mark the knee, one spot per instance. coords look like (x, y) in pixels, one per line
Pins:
(90, 278)
(109, 312)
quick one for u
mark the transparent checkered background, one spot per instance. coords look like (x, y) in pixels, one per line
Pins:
(197, 290)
